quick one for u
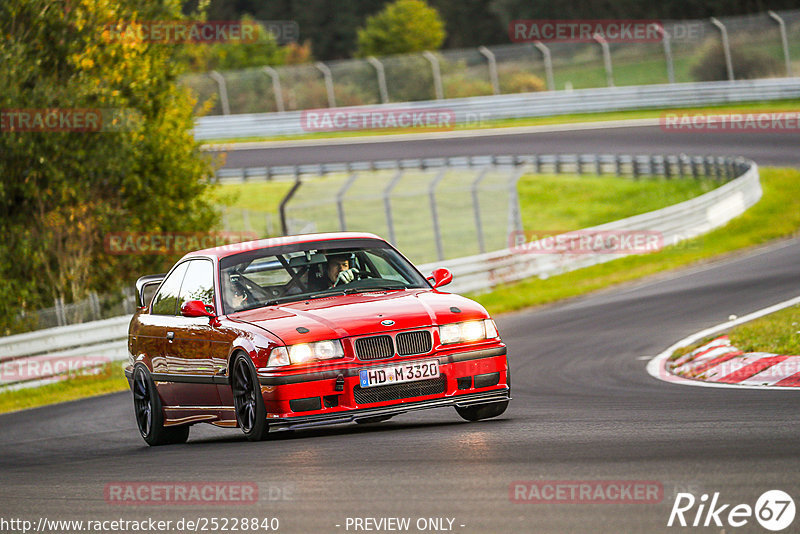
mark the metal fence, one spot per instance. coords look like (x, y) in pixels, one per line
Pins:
(443, 208)
(752, 46)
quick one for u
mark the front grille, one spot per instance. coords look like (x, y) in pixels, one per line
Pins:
(374, 348)
(418, 342)
(432, 386)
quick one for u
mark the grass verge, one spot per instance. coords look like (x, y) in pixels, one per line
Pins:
(744, 107)
(778, 333)
(109, 380)
(775, 216)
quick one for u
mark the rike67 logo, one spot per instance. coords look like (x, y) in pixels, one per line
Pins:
(774, 510)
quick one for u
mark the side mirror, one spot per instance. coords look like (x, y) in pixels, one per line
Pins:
(441, 277)
(195, 308)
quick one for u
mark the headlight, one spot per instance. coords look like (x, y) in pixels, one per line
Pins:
(306, 352)
(467, 331)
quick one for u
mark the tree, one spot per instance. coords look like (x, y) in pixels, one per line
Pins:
(402, 27)
(62, 192)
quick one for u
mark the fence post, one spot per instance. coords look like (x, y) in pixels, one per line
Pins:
(489, 55)
(437, 231)
(784, 40)
(726, 46)
(476, 208)
(326, 73)
(276, 87)
(60, 315)
(387, 204)
(381, 73)
(437, 74)
(667, 53)
(548, 64)
(94, 304)
(286, 199)
(340, 199)
(223, 91)
(514, 215)
(606, 58)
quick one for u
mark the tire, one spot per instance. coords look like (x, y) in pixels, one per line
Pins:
(482, 411)
(148, 412)
(251, 415)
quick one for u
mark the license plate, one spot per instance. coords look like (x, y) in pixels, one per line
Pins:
(397, 374)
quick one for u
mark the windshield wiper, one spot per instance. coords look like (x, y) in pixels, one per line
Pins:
(372, 288)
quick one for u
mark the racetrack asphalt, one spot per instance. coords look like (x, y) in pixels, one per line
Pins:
(584, 409)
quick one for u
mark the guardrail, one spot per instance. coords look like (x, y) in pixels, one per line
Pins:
(473, 110)
(43, 355)
(106, 340)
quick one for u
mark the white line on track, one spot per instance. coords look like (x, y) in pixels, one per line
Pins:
(656, 366)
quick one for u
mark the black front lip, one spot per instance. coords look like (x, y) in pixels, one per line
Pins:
(310, 421)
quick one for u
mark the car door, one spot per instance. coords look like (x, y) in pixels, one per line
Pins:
(196, 356)
(156, 324)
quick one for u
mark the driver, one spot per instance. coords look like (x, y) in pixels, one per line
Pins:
(337, 271)
(238, 294)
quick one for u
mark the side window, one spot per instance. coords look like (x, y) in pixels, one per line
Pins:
(166, 300)
(198, 283)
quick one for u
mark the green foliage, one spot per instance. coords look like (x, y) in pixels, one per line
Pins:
(404, 26)
(521, 82)
(62, 192)
(778, 333)
(710, 63)
(238, 54)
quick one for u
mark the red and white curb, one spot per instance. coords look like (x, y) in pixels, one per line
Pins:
(719, 361)
(719, 364)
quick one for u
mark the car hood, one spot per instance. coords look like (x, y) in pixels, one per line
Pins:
(361, 314)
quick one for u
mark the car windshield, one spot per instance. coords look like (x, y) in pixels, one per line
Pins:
(312, 270)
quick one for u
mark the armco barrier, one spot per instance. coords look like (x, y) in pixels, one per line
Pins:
(475, 109)
(105, 339)
(108, 338)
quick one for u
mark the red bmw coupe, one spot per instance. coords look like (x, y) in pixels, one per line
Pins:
(295, 332)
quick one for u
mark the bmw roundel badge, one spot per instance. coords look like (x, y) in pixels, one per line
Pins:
(387, 322)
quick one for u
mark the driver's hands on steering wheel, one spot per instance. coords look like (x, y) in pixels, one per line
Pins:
(346, 276)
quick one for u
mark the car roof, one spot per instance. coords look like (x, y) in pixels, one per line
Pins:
(229, 250)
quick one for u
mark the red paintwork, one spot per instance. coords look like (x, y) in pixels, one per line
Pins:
(195, 308)
(203, 346)
(441, 277)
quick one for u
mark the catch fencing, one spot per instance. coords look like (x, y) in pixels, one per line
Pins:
(441, 208)
(730, 48)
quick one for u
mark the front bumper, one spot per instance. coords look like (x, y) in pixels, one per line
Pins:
(335, 396)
